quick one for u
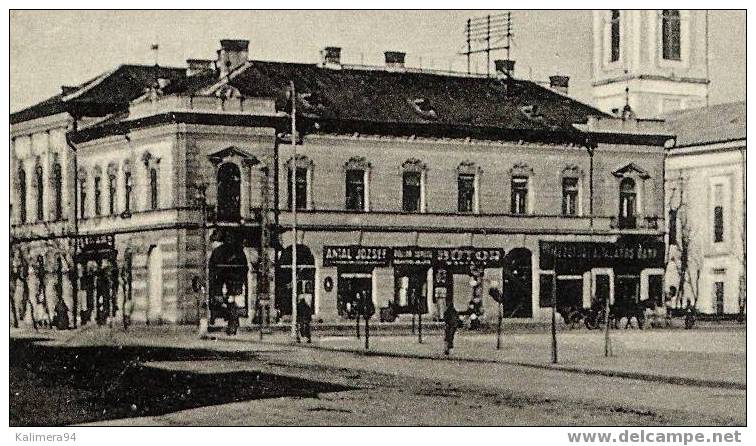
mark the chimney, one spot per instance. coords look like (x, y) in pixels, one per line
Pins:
(504, 68)
(194, 66)
(394, 59)
(331, 57)
(559, 83)
(231, 55)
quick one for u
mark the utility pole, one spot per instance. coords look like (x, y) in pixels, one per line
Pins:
(483, 32)
(293, 186)
(553, 313)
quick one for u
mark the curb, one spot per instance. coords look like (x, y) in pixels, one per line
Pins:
(650, 377)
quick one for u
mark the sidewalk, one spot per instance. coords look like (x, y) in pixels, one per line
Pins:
(673, 356)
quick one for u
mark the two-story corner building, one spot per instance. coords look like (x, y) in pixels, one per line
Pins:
(706, 208)
(412, 188)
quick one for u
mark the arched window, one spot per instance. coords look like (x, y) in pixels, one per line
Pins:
(671, 34)
(58, 190)
(40, 185)
(98, 195)
(229, 192)
(615, 35)
(129, 189)
(627, 203)
(112, 188)
(22, 195)
(82, 197)
(153, 188)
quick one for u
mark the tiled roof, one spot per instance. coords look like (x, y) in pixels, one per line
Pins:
(414, 98)
(394, 98)
(104, 94)
(707, 125)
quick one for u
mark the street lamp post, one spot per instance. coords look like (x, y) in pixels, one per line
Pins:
(293, 186)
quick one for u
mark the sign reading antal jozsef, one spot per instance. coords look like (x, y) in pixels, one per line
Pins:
(583, 255)
(356, 255)
(411, 255)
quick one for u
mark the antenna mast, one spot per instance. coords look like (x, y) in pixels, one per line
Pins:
(482, 34)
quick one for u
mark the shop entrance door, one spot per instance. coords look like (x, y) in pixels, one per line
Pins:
(352, 288)
(627, 290)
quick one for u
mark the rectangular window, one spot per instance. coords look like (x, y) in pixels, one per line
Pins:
(153, 189)
(718, 213)
(672, 227)
(129, 190)
(301, 188)
(569, 196)
(718, 224)
(519, 195)
(355, 190)
(615, 35)
(671, 34)
(82, 199)
(411, 191)
(466, 192)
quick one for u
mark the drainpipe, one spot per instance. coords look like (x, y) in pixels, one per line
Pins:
(75, 273)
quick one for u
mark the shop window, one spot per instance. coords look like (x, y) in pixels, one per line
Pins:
(58, 190)
(229, 192)
(40, 186)
(671, 34)
(410, 291)
(153, 188)
(301, 187)
(355, 190)
(466, 192)
(614, 31)
(22, 195)
(411, 191)
(569, 196)
(97, 195)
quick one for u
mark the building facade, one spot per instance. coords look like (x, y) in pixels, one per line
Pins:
(706, 208)
(655, 61)
(166, 193)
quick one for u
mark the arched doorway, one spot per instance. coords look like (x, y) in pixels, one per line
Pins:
(154, 284)
(228, 279)
(517, 283)
(305, 278)
(229, 192)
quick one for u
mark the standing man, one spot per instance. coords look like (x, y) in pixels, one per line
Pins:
(304, 319)
(451, 319)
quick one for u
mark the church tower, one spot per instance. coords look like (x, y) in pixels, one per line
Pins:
(653, 60)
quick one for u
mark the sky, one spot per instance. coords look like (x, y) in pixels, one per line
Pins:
(53, 48)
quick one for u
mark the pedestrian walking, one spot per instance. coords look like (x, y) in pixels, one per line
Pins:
(451, 320)
(304, 319)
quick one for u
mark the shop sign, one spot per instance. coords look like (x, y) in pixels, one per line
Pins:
(356, 255)
(412, 255)
(484, 257)
(585, 255)
(89, 243)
